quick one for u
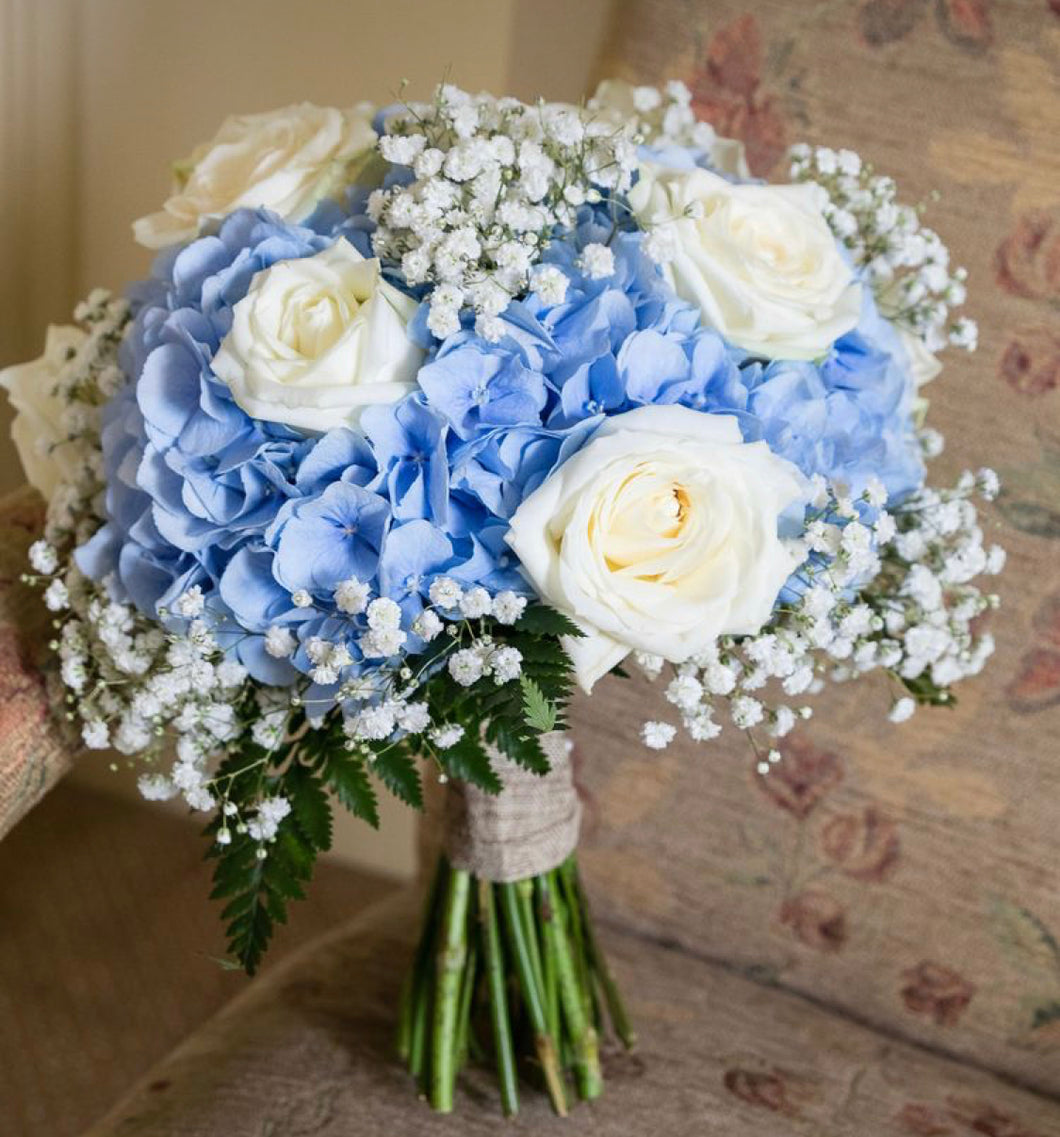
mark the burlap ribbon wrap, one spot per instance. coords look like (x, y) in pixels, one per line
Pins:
(530, 827)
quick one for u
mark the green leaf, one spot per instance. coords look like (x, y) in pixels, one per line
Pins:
(548, 665)
(401, 776)
(539, 712)
(346, 776)
(928, 693)
(224, 964)
(258, 889)
(510, 740)
(310, 806)
(540, 620)
(469, 762)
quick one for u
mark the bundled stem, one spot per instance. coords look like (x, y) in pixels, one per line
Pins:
(518, 964)
(452, 955)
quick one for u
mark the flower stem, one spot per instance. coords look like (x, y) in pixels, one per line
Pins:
(584, 1041)
(525, 891)
(468, 983)
(450, 960)
(413, 992)
(500, 951)
(577, 920)
(493, 954)
(544, 1042)
(616, 1008)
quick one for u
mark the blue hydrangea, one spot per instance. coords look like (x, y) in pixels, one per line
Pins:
(847, 418)
(519, 407)
(254, 513)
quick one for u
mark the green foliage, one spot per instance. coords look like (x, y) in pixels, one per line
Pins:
(548, 666)
(513, 741)
(397, 771)
(928, 693)
(541, 621)
(347, 776)
(310, 806)
(539, 712)
(468, 762)
(256, 881)
(258, 889)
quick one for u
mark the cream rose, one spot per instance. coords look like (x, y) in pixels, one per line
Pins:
(924, 365)
(759, 261)
(284, 160)
(659, 535)
(317, 339)
(37, 431)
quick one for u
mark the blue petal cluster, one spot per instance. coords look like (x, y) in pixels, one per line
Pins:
(268, 522)
(517, 408)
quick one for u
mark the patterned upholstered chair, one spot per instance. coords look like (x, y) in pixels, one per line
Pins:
(864, 941)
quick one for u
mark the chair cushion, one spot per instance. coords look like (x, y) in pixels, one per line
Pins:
(309, 1050)
(34, 751)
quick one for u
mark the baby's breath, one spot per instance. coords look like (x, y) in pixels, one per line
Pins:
(908, 264)
(490, 180)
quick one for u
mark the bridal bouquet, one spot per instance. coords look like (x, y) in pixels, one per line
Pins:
(427, 415)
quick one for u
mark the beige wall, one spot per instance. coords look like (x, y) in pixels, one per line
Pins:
(97, 97)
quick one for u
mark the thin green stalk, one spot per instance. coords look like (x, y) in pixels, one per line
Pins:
(616, 1009)
(498, 999)
(567, 875)
(451, 956)
(412, 991)
(418, 1042)
(544, 1042)
(577, 932)
(587, 1073)
(525, 892)
(551, 982)
(467, 992)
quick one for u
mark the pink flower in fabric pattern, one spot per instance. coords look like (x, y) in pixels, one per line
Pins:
(939, 992)
(762, 1088)
(816, 919)
(1030, 363)
(1028, 260)
(863, 845)
(802, 778)
(726, 92)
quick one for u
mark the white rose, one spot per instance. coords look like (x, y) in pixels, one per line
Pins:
(285, 160)
(659, 536)
(37, 432)
(316, 339)
(759, 261)
(924, 365)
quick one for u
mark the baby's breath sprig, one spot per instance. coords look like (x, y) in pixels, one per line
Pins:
(490, 180)
(908, 264)
(890, 591)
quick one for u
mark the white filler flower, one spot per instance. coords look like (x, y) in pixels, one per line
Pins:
(659, 536)
(284, 160)
(759, 261)
(318, 338)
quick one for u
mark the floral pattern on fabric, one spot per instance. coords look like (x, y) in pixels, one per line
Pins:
(906, 875)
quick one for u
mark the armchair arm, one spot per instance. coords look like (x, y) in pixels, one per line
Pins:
(34, 751)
